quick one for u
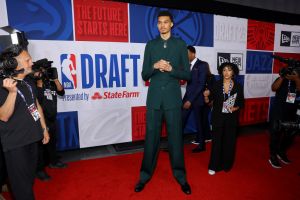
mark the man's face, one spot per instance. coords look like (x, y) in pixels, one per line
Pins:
(164, 24)
(191, 56)
(24, 62)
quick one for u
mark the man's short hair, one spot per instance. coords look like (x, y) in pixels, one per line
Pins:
(191, 49)
(165, 13)
(11, 52)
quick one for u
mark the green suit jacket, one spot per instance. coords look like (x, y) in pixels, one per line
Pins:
(164, 90)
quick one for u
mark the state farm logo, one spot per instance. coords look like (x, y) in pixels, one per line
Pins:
(236, 58)
(290, 39)
(115, 95)
(96, 96)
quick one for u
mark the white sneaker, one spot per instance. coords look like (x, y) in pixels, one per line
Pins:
(211, 172)
(194, 142)
(208, 140)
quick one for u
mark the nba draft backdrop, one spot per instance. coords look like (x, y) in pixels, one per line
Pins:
(98, 47)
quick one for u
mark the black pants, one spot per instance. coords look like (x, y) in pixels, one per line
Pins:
(21, 165)
(47, 153)
(223, 147)
(280, 142)
(3, 173)
(198, 112)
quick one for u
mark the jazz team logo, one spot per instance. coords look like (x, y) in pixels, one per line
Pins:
(68, 71)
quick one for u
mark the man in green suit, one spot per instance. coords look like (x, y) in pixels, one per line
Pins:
(165, 64)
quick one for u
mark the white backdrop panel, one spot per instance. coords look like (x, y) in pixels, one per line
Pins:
(257, 85)
(230, 32)
(106, 120)
(288, 35)
(3, 14)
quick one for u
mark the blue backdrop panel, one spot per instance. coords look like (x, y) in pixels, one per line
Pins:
(67, 130)
(194, 28)
(42, 19)
(259, 62)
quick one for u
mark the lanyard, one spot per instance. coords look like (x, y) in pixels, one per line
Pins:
(289, 87)
(23, 97)
(229, 90)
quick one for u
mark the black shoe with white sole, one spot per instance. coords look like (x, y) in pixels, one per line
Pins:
(274, 162)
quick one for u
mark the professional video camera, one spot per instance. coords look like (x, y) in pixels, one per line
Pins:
(7, 68)
(293, 65)
(8, 64)
(46, 72)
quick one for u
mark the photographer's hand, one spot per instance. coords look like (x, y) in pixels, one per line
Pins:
(58, 85)
(7, 109)
(277, 83)
(10, 84)
(43, 124)
(46, 138)
(292, 77)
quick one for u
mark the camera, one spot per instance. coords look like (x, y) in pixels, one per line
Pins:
(46, 72)
(7, 68)
(14, 39)
(293, 65)
(8, 62)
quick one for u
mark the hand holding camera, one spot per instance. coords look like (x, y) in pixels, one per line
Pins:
(10, 84)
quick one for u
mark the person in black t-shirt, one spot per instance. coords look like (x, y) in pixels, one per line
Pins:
(227, 98)
(283, 109)
(22, 123)
(48, 87)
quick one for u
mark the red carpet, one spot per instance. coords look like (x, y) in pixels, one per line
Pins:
(252, 177)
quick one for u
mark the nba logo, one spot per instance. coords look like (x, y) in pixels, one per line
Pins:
(68, 71)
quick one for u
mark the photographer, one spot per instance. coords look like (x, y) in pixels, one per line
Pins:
(22, 123)
(48, 87)
(284, 109)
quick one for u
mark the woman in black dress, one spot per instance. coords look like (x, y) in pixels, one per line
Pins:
(227, 98)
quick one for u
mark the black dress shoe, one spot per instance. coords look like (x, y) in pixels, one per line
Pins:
(139, 187)
(58, 165)
(186, 188)
(43, 176)
(198, 149)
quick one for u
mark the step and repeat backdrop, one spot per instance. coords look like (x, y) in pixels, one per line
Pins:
(98, 46)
